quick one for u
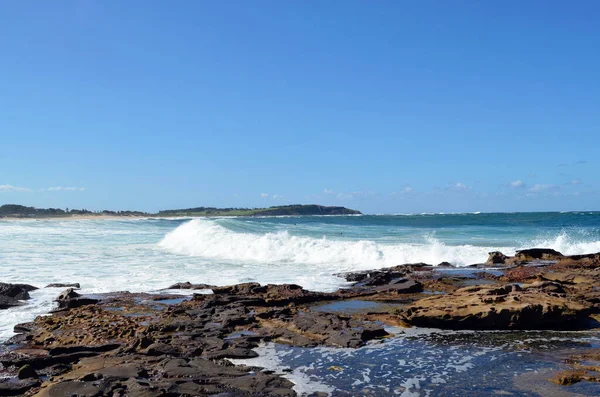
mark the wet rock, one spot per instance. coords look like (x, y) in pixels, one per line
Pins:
(496, 257)
(16, 291)
(374, 277)
(394, 286)
(161, 349)
(188, 285)
(17, 387)
(26, 372)
(547, 256)
(584, 366)
(59, 285)
(504, 307)
(67, 294)
(69, 299)
(241, 289)
(76, 388)
(8, 302)
(336, 330)
(533, 254)
(271, 294)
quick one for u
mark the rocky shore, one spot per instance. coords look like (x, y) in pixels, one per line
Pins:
(126, 344)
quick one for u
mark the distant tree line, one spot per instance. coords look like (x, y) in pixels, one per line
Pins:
(15, 210)
(21, 210)
(202, 209)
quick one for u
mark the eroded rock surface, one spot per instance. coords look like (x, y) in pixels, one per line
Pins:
(155, 345)
(538, 306)
(124, 344)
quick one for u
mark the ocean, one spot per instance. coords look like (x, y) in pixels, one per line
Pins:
(150, 254)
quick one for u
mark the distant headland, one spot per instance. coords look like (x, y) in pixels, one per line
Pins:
(16, 211)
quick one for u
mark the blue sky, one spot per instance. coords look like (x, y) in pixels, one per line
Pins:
(388, 106)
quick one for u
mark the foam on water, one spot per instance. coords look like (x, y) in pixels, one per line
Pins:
(208, 239)
(567, 245)
(422, 363)
(150, 254)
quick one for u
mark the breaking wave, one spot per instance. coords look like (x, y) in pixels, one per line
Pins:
(567, 244)
(209, 240)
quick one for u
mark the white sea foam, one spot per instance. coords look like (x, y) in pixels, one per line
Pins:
(566, 244)
(150, 254)
(207, 239)
(270, 359)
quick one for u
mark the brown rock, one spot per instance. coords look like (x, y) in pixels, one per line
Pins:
(496, 257)
(505, 307)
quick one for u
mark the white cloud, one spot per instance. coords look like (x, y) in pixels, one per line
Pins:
(538, 188)
(264, 195)
(328, 191)
(276, 197)
(408, 189)
(576, 182)
(461, 186)
(65, 189)
(517, 184)
(11, 188)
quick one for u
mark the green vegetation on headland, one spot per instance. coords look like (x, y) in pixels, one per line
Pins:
(297, 209)
(21, 211)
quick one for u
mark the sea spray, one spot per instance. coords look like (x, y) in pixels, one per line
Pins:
(208, 239)
(150, 254)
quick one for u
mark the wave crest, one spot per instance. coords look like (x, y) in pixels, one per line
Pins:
(208, 239)
(567, 244)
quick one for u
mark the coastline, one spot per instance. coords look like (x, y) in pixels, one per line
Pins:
(80, 217)
(141, 343)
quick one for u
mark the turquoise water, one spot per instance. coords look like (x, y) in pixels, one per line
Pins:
(150, 254)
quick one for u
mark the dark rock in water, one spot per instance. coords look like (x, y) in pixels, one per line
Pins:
(67, 294)
(188, 285)
(445, 265)
(12, 387)
(58, 285)
(11, 294)
(69, 299)
(391, 280)
(395, 286)
(545, 256)
(26, 372)
(16, 291)
(375, 277)
(272, 294)
(496, 257)
(537, 254)
(7, 302)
